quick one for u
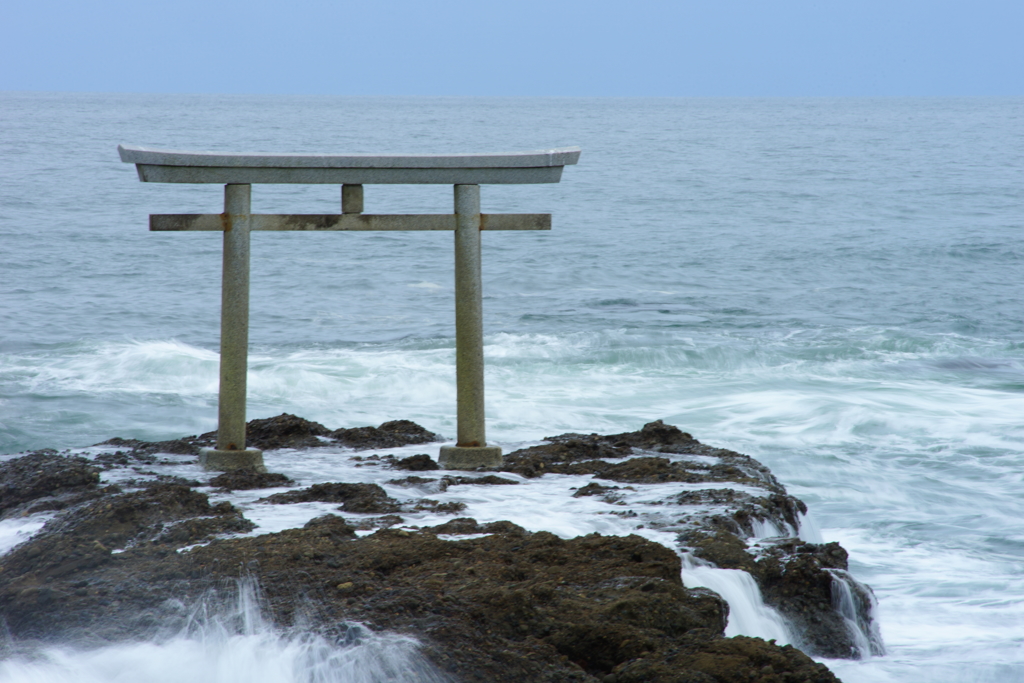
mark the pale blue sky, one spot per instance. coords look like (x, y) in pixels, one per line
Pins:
(522, 47)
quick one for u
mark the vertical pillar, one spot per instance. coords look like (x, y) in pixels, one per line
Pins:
(471, 450)
(231, 453)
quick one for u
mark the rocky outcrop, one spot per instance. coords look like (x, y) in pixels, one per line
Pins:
(489, 602)
(288, 431)
(798, 579)
(389, 435)
(589, 454)
(507, 607)
(246, 479)
(44, 480)
(417, 463)
(368, 498)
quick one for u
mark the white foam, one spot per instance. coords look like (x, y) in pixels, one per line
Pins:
(234, 645)
(809, 530)
(17, 530)
(917, 476)
(748, 615)
(768, 529)
(867, 637)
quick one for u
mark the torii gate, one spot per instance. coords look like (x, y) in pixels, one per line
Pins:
(239, 171)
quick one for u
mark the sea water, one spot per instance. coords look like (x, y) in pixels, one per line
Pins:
(832, 286)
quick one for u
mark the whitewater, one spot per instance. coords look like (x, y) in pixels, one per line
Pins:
(831, 286)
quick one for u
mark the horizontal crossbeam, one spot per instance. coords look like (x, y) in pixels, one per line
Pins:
(218, 222)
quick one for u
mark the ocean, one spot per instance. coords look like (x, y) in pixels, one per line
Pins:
(832, 286)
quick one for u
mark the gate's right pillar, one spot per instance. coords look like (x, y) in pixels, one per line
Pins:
(471, 450)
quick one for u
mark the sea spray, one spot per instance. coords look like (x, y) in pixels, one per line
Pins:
(856, 603)
(232, 643)
(748, 613)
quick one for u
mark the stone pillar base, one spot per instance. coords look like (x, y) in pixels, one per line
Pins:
(226, 461)
(469, 458)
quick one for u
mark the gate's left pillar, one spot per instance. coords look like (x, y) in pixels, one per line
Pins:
(231, 453)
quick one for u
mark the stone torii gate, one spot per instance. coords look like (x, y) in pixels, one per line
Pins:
(238, 172)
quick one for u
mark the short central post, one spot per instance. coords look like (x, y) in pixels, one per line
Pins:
(471, 450)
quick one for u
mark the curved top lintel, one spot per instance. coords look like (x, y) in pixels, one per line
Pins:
(168, 166)
(561, 156)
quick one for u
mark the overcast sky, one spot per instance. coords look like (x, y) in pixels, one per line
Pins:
(517, 47)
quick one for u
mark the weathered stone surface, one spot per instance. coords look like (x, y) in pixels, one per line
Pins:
(40, 578)
(286, 431)
(593, 489)
(702, 658)
(444, 483)
(283, 431)
(58, 479)
(449, 508)
(241, 480)
(389, 435)
(588, 454)
(413, 481)
(509, 606)
(368, 498)
(795, 577)
(188, 445)
(744, 509)
(417, 463)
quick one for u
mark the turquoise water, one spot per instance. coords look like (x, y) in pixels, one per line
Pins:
(830, 285)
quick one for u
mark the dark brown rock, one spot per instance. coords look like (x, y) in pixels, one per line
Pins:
(797, 579)
(703, 658)
(44, 475)
(389, 435)
(241, 480)
(800, 580)
(417, 463)
(369, 498)
(487, 480)
(287, 431)
(512, 606)
(656, 436)
(744, 509)
(593, 489)
(589, 453)
(509, 606)
(188, 445)
(413, 481)
(450, 508)
(284, 431)
(564, 454)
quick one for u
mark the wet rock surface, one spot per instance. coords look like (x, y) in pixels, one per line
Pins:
(45, 480)
(417, 463)
(501, 604)
(353, 497)
(510, 606)
(589, 453)
(287, 431)
(797, 578)
(283, 431)
(389, 435)
(244, 479)
(488, 480)
(136, 449)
